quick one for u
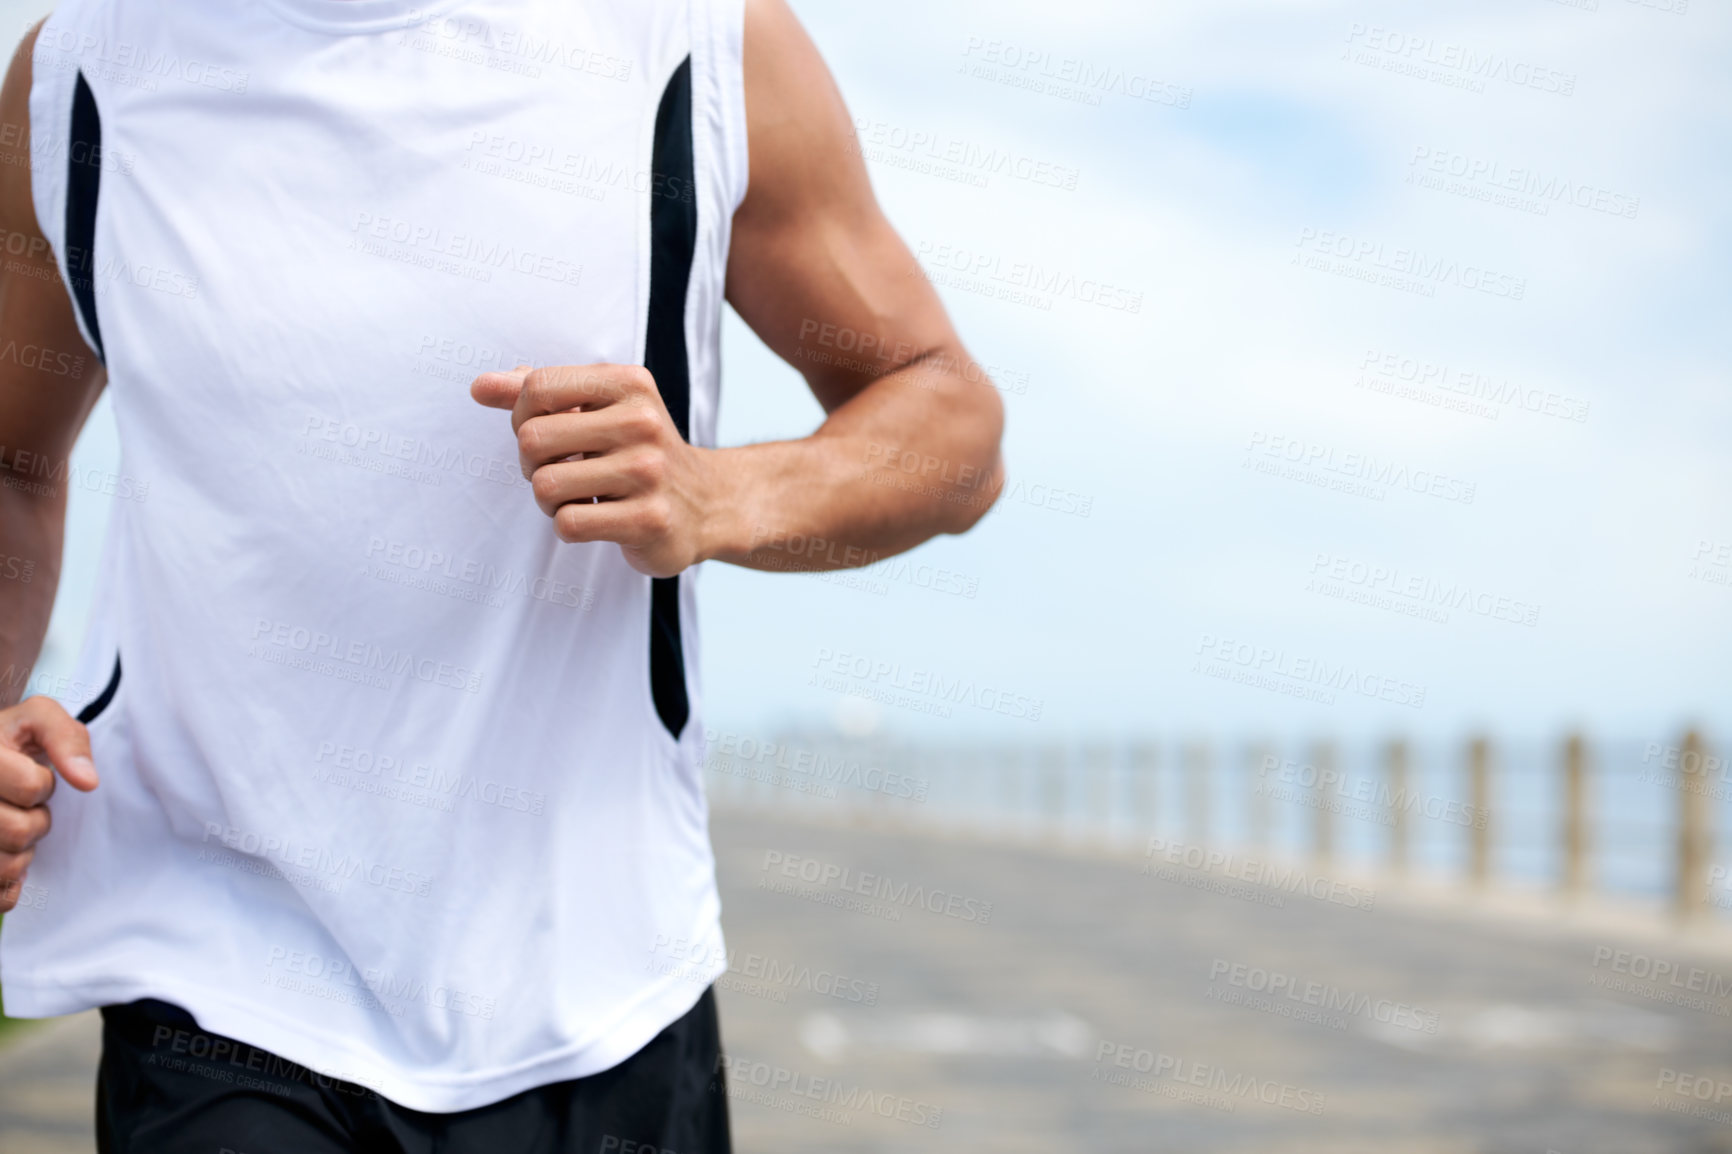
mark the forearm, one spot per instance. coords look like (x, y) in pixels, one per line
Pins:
(32, 528)
(913, 455)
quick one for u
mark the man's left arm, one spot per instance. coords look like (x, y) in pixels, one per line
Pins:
(812, 256)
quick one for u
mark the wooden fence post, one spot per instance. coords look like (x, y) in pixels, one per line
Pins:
(1144, 762)
(1479, 796)
(1260, 809)
(1009, 761)
(1323, 828)
(1395, 764)
(1694, 829)
(1054, 786)
(1575, 831)
(1197, 791)
(1098, 760)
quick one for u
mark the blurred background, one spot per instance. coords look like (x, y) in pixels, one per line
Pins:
(1331, 715)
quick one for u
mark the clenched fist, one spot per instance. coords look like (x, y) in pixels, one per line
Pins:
(37, 737)
(606, 462)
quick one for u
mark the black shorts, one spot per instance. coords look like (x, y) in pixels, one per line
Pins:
(167, 1087)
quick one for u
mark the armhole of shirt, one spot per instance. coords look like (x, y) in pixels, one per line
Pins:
(54, 78)
(717, 32)
(719, 97)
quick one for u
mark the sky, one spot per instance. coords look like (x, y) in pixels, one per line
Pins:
(1405, 409)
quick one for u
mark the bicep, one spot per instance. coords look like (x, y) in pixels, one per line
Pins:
(49, 378)
(814, 267)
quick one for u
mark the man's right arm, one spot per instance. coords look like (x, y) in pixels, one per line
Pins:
(49, 382)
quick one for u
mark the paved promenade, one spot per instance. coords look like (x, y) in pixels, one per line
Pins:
(905, 992)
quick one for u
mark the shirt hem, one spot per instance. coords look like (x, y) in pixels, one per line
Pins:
(659, 1007)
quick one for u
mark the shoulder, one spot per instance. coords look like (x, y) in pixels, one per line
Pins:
(17, 211)
(799, 134)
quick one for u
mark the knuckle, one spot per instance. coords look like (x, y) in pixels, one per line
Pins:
(544, 484)
(18, 832)
(649, 468)
(13, 866)
(656, 519)
(539, 386)
(529, 437)
(41, 710)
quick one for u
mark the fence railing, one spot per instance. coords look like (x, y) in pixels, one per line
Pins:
(1632, 818)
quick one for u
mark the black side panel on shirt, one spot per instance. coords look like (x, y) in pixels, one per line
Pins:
(94, 710)
(83, 181)
(673, 241)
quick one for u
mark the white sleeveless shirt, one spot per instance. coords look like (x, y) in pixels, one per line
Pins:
(394, 783)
